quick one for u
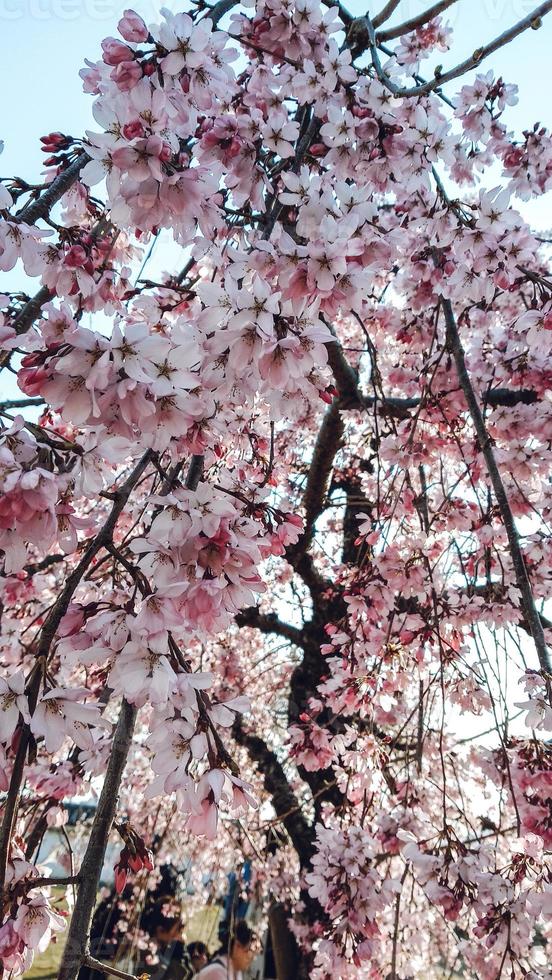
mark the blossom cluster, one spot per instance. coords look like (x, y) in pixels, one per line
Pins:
(279, 422)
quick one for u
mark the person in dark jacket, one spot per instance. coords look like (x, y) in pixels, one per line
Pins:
(199, 955)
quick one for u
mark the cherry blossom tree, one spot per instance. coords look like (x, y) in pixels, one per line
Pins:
(275, 523)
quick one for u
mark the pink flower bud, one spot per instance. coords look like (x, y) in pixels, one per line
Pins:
(132, 27)
(120, 878)
(32, 380)
(166, 153)
(135, 862)
(73, 620)
(133, 130)
(126, 75)
(75, 257)
(114, 52)
(54, 141)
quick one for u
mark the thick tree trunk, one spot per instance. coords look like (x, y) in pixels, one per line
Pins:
(76, 947)
(290, 962)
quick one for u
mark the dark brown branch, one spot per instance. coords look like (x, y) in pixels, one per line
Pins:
(195, 473)
(31, 311)
(345, 376)
(352, 398)
(43, 882)
(21, 403)
(217, 12)
(533, 20)
(283, 798)
(494, 398)
(31, 213)
(104, 536)
(386, 13)
(13, 796)
(530, 611)
(410, 25)
(41, 566)
(76, 948)
(269, 623)
(326, 447)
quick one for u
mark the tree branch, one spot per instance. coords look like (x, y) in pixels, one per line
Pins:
(533, 20)
(76, 948)
(269, 623)
(31, 213)
(284, 801)
(106, 968)
(410, 25)
(31, 311)
(217, 12)
(386, 13)
(21, 403)
(47, 635)
(529, 608)
(494, 397)
(104, 536)
(42, 882)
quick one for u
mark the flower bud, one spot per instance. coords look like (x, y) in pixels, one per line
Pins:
(132, 27)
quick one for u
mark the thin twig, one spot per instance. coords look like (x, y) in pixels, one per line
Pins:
(107, 968)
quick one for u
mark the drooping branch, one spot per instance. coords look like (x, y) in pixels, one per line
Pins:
(104, 536)
(529, 608)
(47, 635)
(76, 949)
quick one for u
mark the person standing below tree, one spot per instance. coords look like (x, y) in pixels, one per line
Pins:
(234, 956)
(164, 924)
(199, 955)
